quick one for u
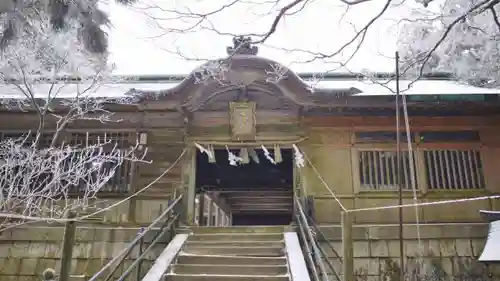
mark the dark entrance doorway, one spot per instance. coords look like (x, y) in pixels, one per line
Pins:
(257, 193)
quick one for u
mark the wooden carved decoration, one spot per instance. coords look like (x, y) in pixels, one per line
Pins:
(242, 46)
(242, 116)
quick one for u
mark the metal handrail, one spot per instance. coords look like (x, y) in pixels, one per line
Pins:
(168, 224)
(315, 254)
(323, 237)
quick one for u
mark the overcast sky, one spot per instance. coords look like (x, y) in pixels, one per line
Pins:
(140, 44)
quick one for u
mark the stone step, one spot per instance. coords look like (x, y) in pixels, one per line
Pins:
(194, 277)
(236, 237)
(235, 251)
(229, 260)
(239, 229)
(223, 243)
(224, 269)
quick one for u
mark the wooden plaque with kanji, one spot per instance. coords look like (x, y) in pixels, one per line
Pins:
(242, 117)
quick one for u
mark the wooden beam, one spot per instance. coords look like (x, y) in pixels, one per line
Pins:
(417, 122)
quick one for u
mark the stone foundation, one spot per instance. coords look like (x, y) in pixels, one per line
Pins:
(25, 252)
(449, 251)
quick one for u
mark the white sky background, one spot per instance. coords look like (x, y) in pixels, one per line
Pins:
(137, 48)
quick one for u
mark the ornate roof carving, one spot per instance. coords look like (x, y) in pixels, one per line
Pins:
(242, 46)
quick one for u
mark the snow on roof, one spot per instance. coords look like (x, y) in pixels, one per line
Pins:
(420, 87)
(113, 90)
(367, 88)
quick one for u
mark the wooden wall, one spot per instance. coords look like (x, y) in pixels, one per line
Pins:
(270, 125)
(329, 146)
(165, 143)
(332, 150)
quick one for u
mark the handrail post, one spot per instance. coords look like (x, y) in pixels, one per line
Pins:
(141, 251)
(120, 257)
(67, 249)
(347, 246)
(49, 274)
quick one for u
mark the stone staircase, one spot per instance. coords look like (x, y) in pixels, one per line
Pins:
(232, 254)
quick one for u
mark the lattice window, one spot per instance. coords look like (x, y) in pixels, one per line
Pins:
(454, 169)
(119, 183)
(378, 170)
(27, 138)
(123, 140)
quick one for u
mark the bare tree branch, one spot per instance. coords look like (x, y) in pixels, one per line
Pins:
(53, 75)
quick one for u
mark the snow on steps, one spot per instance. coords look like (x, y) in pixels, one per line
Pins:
(200, 277)
(222, 269)
(232, 254)
(185, 258)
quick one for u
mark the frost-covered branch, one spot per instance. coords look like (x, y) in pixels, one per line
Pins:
(40, 181)
(460, 37)
(44, 173)
(17, 15)
(463, 40)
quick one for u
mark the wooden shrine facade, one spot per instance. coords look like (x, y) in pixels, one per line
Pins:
(347, 133)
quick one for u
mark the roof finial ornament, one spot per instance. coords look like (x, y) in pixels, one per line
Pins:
(242, 46)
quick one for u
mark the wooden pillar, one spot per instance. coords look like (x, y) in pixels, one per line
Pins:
(217, 215)
(347, 246)
(224, 219)
(191, 192)
(209, 211)
(67, 247)
(201, 209)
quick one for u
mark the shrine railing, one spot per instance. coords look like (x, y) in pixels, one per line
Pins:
(164, 224)
(320, 267)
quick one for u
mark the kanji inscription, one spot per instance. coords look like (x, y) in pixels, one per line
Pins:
(242, 116)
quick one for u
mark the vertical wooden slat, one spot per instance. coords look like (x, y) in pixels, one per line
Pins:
(465, 170)
(475, 169)
(405, 170)
(125, 171)
(393, 169)
(442, 176)
(447, 169)
(388, 177)
(370, 170)
(422, 178)
(438, 171)
(362, 157)
(383, 180)
(430, 172)
(479, 160)
(462, 169)
(470, 158)
(455, 174)
(376, 169)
